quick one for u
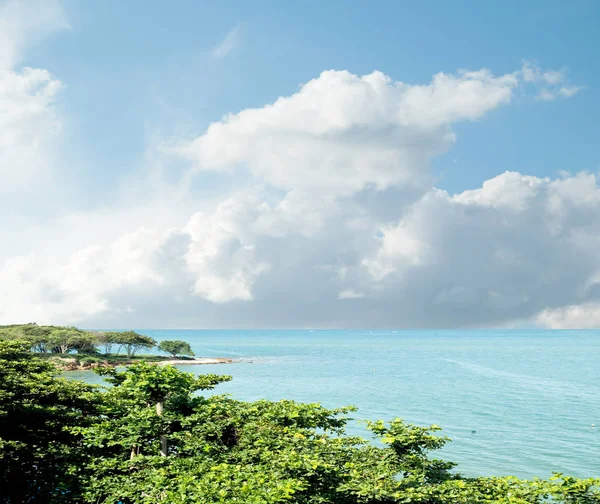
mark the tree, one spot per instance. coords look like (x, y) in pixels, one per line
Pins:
(221, 451)
(37, 337)
(64, 340)
(38, 455)
(151, 438)
(86, 342)
(132, 342)
(137, 400)
(107, 340)
(175, 347)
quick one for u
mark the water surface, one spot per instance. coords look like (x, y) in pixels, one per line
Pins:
(530, 396)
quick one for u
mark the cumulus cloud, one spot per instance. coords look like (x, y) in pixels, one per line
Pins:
(508, 250)
(518, 248)
(342, 132)
(221, 254)
(340, 211)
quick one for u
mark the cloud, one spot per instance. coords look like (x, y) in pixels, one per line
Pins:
(584, 316)
(23, 23)
(339, 209)
(45, 287)
(517, 248)
(341, 132)
(350, 294)
(30, 126)
(553, 82)
(229, 44)
(221, 255)
(508, 250)
(565, 91)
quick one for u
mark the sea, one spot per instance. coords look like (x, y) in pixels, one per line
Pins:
(524, 403)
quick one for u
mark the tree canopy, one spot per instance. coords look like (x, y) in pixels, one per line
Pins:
(39, 456)
(152, 436)
(175, 347)
(132, 341)
(63, 340)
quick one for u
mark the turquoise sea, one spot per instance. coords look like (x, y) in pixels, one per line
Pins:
(514, 402)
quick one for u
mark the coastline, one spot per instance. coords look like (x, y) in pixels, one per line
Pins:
(72, 364)
(196, 361)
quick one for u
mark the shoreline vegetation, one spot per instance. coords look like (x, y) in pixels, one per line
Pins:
(72, 349)
(74, 364)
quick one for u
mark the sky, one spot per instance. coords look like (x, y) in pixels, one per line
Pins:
(304, 164)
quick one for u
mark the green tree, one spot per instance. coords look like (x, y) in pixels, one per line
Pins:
(143, 402)
(85, 342)
(39, 457)
(107, 340)
(39, 339)
(64, 340)
(159, 442)
(132, 342)
(150, 437)
(175, 347)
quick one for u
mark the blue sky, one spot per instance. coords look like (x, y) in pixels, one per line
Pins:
(126, 148)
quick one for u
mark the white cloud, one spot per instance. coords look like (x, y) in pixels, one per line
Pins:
(25, 22)
(340, 206)
(511, 191)
(30, 127)
(512, 248)
(341, 132)
(45, 287)
(566, 91)
(552, 82)
(584, 316)
(464, 260)
(229, 44)
(533, 73)
(221, 253)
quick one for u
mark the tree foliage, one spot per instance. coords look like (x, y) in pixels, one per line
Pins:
(63, 340)
(39, 456)
(151, 436)
(132, 341)
(175, 347)
(106, 340)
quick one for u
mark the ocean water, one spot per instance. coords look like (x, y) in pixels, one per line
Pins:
(530, 397)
